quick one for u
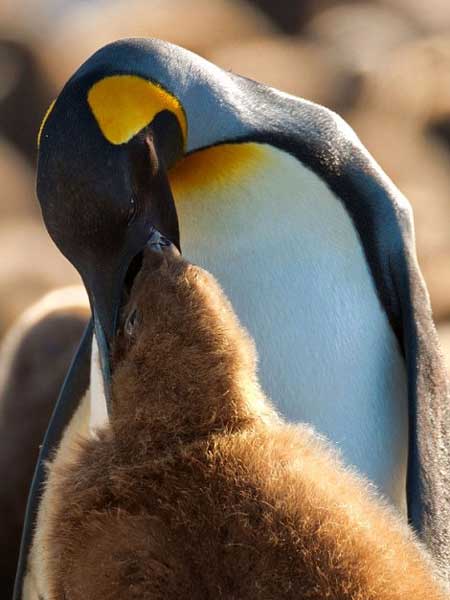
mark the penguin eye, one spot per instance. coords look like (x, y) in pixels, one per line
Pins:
(132, 210)
(130, 323)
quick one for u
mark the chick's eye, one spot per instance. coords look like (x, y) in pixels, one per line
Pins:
(132, 210)
(130, 323)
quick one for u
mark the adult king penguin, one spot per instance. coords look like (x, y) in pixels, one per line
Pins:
(313, 244)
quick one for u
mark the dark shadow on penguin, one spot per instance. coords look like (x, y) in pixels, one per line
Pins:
(34, 358)
(197, 489)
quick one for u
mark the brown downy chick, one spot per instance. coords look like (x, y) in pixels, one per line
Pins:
(199, 491)
(193, 372)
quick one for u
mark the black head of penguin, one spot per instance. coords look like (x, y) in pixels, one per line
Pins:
(101, 201)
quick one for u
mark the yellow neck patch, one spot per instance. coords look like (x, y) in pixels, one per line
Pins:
(124, 104)
(217, 166)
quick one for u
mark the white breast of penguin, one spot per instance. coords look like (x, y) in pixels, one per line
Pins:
(288, 256)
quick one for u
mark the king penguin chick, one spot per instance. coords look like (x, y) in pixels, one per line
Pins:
(197, 489)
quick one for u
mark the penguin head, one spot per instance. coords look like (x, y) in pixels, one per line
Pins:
(104, 151)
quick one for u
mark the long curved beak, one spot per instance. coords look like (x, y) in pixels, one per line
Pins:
(106, 293)
(105, 289)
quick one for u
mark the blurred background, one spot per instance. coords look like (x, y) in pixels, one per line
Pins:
(382, 64)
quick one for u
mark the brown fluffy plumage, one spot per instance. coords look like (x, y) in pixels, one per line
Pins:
(199, 491)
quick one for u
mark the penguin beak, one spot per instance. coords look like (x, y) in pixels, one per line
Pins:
(105, 293)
